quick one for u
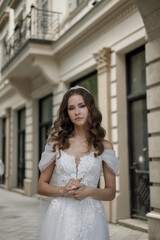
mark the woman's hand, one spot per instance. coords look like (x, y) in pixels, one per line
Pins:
(83, 192)
(71, 186)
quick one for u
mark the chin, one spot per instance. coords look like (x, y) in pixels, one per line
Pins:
(79, 124)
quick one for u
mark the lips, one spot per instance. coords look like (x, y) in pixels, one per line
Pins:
(78, 119)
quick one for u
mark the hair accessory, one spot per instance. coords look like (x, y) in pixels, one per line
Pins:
(77, 86)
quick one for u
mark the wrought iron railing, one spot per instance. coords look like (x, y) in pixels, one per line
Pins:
(38, 24)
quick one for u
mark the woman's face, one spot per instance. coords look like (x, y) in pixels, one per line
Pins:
(77, 110)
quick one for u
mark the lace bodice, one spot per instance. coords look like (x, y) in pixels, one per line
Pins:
(89, 167)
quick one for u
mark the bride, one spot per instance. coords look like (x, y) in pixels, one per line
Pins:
(71, 165)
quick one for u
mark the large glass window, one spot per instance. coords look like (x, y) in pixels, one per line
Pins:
(137, 132)
(74, 4)
(45, 120)
(3, 146)
(43, 18)
(21, 147)
(79, 2)
(89, 82)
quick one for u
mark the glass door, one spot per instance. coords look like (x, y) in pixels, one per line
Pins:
(137, 133)
(21, 148)
(3, 146)
(45, 120)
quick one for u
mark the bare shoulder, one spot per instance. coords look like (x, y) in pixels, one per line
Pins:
(107, 144)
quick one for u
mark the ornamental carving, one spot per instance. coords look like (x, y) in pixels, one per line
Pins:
(103, 59)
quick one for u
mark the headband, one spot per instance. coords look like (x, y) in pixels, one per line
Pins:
(77, 86)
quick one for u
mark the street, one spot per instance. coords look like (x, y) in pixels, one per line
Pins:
(19, 217)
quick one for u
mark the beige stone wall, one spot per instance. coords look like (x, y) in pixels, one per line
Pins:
(153, 105)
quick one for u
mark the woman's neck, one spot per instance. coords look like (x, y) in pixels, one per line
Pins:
(80, 133)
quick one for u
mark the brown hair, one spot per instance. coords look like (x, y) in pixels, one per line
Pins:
(63, 128)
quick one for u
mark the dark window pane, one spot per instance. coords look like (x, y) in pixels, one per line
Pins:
(3, 146)
(45, 121)
(79, 2)
(21, 120)
(137, 73)
(89, 82)
(46, 110)
(21, 148)
(137, 133)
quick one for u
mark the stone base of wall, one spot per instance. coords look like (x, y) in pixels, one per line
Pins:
(28, 187)
(154, 225)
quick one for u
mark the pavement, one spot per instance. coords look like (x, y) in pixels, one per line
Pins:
(19, 219)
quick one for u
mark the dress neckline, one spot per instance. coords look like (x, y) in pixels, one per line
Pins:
(86, 155)
(78, 163)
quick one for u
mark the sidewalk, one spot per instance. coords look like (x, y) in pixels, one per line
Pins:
(19, 220)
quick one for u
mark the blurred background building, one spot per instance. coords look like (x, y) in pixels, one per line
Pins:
(111, 47)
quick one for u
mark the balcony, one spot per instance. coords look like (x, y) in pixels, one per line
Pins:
(38, 24)
(28, 52)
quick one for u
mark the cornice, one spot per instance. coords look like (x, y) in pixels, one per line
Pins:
(102, 16)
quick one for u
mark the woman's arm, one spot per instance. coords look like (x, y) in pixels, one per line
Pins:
(44, 188)
(108, 193)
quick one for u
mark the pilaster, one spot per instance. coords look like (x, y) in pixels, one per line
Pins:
(31, 148)
(153, 105)
(103, 67)
(103, 59)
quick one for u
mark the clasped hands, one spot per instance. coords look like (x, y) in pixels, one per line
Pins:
(76, 189)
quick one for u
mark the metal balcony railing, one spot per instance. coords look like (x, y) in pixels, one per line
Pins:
(38, 24)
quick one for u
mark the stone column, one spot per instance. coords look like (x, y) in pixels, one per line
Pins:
(103, 76)
(30, 158)
(7, 173)
(153, 105)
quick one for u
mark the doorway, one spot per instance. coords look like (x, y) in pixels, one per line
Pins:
(137, 133)
(21, 148)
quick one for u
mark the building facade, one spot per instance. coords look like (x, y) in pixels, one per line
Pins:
(112, 47)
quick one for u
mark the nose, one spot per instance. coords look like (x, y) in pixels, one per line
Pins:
(76, 111)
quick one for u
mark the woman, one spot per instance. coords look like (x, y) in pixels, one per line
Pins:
(70, 170)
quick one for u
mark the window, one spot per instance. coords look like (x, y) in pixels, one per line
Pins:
(79, 2)
(3, 146)
(43, 18)
(137, 132)
(89, 82)
(73, 4)
(45, 120)
(21, 147)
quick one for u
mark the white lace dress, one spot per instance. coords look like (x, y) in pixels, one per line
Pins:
(67, 218)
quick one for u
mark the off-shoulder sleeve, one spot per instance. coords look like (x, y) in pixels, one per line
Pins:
(47, 157)
(109, 157)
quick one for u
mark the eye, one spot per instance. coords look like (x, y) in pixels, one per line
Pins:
(82, 106)
(70, 108)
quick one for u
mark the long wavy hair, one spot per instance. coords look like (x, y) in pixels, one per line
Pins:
(63, 128)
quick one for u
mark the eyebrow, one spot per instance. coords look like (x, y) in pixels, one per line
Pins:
(74, 105)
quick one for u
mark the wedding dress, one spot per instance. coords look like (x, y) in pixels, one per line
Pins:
(67, 218)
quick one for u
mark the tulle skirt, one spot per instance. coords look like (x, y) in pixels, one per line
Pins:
(69, 219)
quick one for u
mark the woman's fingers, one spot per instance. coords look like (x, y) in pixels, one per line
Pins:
(73, 184)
